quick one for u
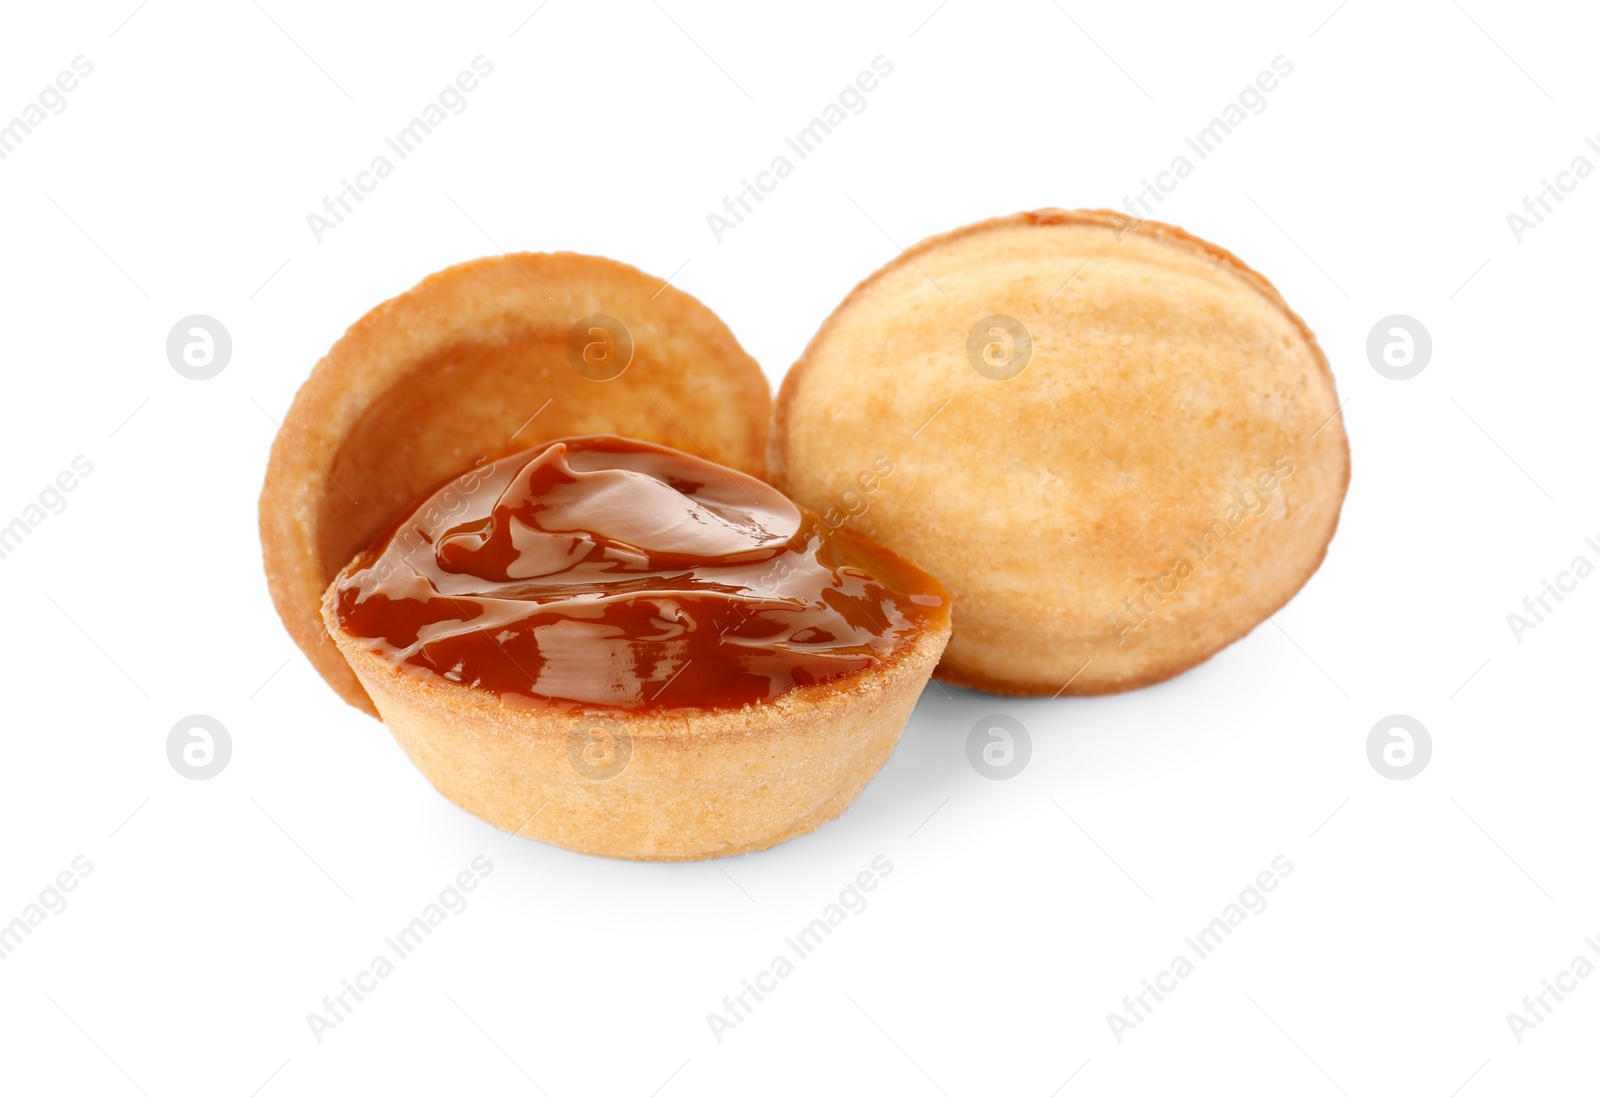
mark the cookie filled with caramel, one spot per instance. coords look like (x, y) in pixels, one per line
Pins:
(625, 649)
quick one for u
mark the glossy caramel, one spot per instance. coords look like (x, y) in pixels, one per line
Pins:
(599, 573)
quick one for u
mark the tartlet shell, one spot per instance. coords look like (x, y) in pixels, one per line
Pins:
(1030, 513)
(471, 365)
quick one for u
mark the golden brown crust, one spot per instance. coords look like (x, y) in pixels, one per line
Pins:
(665, 786)
(1163, 363)
(473, 364)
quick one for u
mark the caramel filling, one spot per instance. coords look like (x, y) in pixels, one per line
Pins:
(600, 573)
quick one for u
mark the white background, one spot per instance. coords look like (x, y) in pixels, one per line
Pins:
(218, 913)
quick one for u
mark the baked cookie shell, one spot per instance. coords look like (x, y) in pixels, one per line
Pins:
(696, 783)
(1166, 378)
(471, 364)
